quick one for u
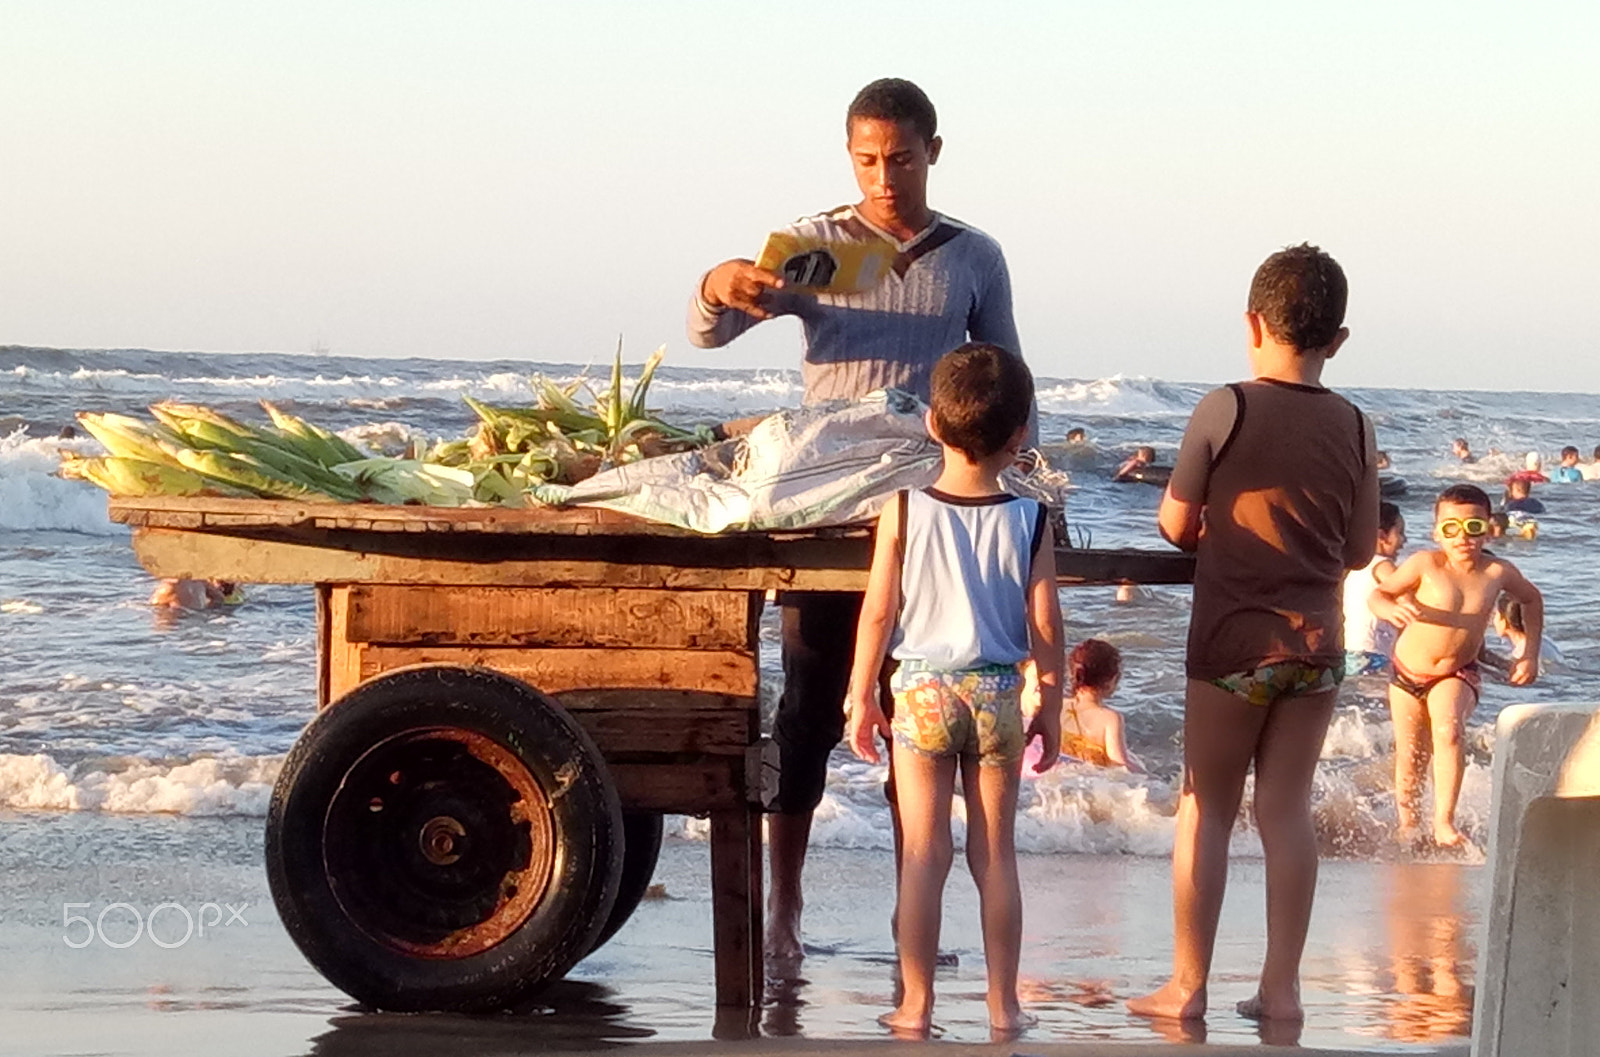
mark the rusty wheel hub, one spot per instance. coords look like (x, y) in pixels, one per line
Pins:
(439, 843)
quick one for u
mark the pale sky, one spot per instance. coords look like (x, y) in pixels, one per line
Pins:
(517, 179)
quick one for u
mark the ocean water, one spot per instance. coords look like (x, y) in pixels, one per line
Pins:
(109, 707)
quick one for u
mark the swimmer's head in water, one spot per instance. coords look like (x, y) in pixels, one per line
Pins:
(1569, 456)
(1518, 488)
(1459, 447)
(1077, 436)
(1532, 461)
(1499, 524)
(1383, 460)
(1145, 453)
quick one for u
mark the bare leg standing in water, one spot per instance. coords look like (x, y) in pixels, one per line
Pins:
(1412, 752)
(1222, 735)
(787, 837)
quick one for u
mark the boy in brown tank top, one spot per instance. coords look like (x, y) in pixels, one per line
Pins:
(1276, 492)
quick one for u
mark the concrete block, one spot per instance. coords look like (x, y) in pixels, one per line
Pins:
(1538, 992)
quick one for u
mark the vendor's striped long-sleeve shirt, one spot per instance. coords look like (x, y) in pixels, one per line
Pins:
(949, 284)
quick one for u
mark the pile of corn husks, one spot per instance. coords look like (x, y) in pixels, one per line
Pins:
(193, 450)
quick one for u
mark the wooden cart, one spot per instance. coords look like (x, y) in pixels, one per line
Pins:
(521, 695)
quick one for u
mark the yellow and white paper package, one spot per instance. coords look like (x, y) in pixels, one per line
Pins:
(822, 266)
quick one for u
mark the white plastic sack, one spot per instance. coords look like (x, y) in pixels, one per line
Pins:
(804, 468)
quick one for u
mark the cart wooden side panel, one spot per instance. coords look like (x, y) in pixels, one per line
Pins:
(664, 682)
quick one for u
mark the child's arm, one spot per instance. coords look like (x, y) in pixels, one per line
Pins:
(1393, 599)
(1361, 539)
(1117, 743)
(878, 610)
(1525, 669)
(1045, 647)
(1183, 503)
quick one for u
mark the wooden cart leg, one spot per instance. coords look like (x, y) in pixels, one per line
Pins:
(736, 906)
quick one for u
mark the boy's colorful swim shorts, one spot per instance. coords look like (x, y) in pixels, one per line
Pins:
(970, 712)
(1275, 682)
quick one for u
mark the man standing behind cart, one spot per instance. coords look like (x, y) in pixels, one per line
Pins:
(948, 285)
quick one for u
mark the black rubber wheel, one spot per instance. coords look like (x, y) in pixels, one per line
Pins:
(444, 838)
(641, 847)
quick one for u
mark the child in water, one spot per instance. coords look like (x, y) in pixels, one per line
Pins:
(1368, 641)
(962, 591)
(1442, 601)
(1519, 498)
(1568, 472)
(1140, 466)
(1509, 625)
(1091, 730)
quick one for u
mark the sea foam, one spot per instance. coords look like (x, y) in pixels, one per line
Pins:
(211, 785)
(33, 498)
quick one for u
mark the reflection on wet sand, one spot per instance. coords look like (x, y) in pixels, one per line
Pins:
(569, 1016)
(1431, 956)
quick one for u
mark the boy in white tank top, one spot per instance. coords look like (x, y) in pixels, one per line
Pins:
(962, 589)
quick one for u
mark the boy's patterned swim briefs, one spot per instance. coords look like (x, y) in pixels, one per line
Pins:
(1271, 683)
(971, 712)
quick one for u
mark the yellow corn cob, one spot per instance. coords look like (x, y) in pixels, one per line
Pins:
(137, 477)
(242, 471)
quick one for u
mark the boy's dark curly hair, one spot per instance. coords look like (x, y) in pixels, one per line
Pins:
(1300, 294)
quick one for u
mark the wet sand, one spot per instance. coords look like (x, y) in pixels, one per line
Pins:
(1388, 966)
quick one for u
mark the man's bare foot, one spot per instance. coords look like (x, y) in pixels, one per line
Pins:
(1445, 835)
(1260, 1007)
(1171, 1002)
(905, 1024)
(783, 938)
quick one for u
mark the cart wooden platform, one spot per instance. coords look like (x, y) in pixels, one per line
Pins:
(521, 695)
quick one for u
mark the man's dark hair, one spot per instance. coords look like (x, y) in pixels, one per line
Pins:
(1463, 495)
(1300, 294)
(1145, 452)
(892, 99)
(981, 396)
(1388, 516)
(1596, 455)
(1569, 450)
